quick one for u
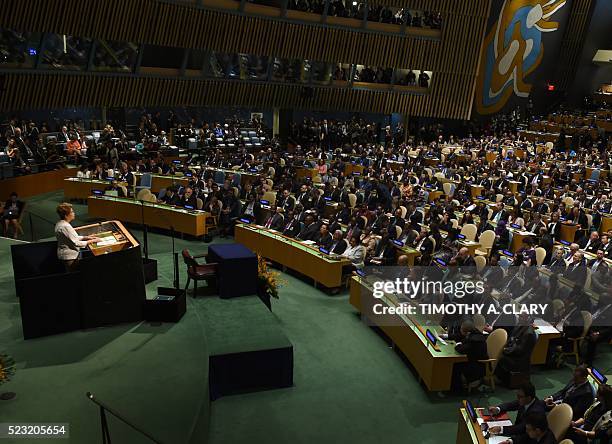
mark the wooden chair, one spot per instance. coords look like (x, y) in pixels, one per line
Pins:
(495, 345)
(481, 262)
(198, 272)
(469, 231)
(559, 420)
(587, 319)
(540, 255)
(486, 241)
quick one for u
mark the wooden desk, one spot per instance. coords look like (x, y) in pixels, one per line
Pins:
(192, 222)
(467, 431)
(302, 172)
(476, 190)
(78, 188)
(568, 231)
(606, 223)
(350, 168)
(435, 368)
(433, 195)
(36, 183)
(292, 254)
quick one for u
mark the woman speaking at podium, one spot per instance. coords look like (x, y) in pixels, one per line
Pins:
(68, 240)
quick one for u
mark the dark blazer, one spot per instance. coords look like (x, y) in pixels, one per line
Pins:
(340, 247)
(518, 428)
(576, 272)
(292, 228)
(277, 222)
(324, 241)
(474, 345)
(592, 247)
(548, 438)
(191, 201)
(516, 355)
(308, 232)
(579, 399)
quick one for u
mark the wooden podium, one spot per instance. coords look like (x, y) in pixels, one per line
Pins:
(114, 236)
(106, 288)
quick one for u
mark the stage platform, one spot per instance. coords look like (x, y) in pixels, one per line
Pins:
(248, 350)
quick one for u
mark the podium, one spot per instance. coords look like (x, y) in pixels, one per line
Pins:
(107, 287)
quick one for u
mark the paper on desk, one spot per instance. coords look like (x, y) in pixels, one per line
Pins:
(505, 423)
(497, 439)
(106, 242)
(308, 242)
(544, 327)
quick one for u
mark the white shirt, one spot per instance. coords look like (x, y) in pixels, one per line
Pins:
(355, 254)
(68, 241)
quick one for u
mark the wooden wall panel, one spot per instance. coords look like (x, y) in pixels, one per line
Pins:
(453, 58)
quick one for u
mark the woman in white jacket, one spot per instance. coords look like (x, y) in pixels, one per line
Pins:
(356, 253)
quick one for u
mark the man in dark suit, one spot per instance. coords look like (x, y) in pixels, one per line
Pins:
(541, 207)
(577, 393)
(576, 271)
(338, 243)
(546, 242)
(385, 250)
(292, 225)
(536, 431)
(275, 221)
(516, 355)
(170, 198)
(188, 199)
(590, 244)
(526, 403)
(474, 345)
(287, 201)
(499, 213)
(310, 229)
(599, 272)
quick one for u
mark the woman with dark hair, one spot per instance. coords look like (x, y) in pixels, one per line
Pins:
(68, 240)
(12, 212)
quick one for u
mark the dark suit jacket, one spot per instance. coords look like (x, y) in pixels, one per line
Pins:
(323, 241)
(516, 355)
(475, 347)
(277, 223)
(518, 428)
(308, 232)
(548, 438)
(340, 247)
(579, 399)
(576, 273)
(593, 246)
(292, 228)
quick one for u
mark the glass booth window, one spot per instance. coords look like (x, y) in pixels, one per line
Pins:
(67, 52)
(18, 49)
(115, 56)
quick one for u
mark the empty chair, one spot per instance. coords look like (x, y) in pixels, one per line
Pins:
(145, 182)
(469, 231)
(404, 211)
(270, 196)
(448, 188)
(595, 175)
(199, 203)
(198, 272)
(499, 197)
(398, 231)
(540, 255)
(481, 262)
(559, 420)
(495, 345)
(486, 241)
(353, 200)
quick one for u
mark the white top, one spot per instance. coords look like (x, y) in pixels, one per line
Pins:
(68, 241)
(356, 254)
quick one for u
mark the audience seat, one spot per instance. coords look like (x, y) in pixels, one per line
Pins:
(469, 231)
(495, 345)
(559, 420)
(486, 241)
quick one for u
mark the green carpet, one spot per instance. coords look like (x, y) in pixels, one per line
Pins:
(349, 385)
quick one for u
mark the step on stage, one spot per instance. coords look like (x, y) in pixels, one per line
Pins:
(248, 350)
